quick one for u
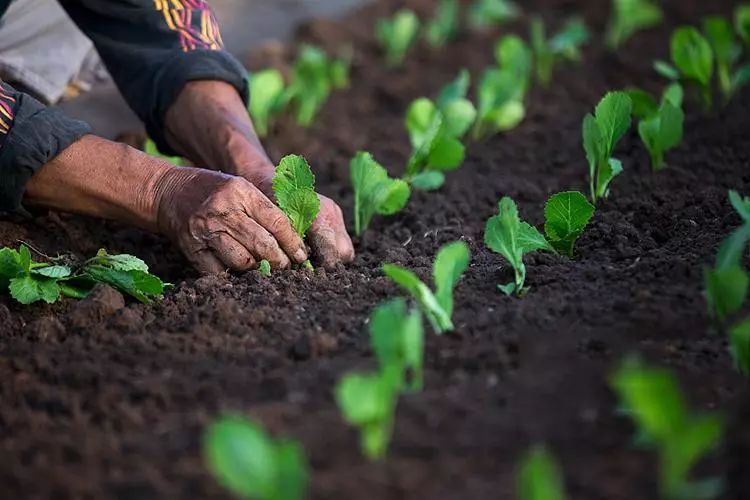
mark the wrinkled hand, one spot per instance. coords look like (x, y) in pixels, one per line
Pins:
(224, 222)
(328, 237)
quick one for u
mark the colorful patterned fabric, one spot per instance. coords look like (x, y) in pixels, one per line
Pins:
(7, 110)
(194, 21)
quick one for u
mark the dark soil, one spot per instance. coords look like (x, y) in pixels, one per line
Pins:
(105, 399)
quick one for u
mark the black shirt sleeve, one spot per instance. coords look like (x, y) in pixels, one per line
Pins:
(30, 135)
(153, 47)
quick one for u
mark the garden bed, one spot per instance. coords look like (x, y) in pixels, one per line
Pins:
(101, 400)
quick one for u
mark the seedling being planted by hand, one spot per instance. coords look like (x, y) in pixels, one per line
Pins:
(484, 13)
(506, 234)
(374, 191)
(566, 215)
(450, 263)
(693, 61)
(629, 17)
(368, 402)
(539, 477)
(267, 98)
(314, 76)
(397, 337)
(653, 400)
(294, 188)
(29, 281)
(501, 92)
(397, 35)
(565, 45)
(245, 460)
(443, 28)
(264, 268)
(435, 136)
(601, 132)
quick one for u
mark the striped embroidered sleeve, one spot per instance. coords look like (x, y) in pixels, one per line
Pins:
(7, 110)
(153, 47)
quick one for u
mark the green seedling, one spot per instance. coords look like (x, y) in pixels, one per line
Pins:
(539, 477)
(692, 61)
(484, 13)
(629, 17)
(742, 22)
(450, 263)
(294, 187)
(314, 76)
(513, 54)
(456, 90)
(646, 106)
(374, 191)
(727, 282)
(435, 135)
(566, 215)
(652, 398)
(443, 28)
(739, 346)
(368, 402)
(149, 147)
(601, 132)
(267, 98)
(727, 51)
(245, 460)
(506, 234)
(29, 281)
(565, 45)
(662, 132)
(397, 337)
(457, 111)
(264, 268)
(397, 35)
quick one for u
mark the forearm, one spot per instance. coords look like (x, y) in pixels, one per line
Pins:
(209, 124)
(101, 178)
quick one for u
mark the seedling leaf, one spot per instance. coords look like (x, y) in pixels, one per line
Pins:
(294, 187)
(374, 191)
(444, 26)
(539, 477)
(483, 13)
(450, 263)
(266, 98)
(629, 17)
(397, 35)
(264, 268)
(741, 204)
(566, 216)
(397, 337)
(742, 22)
(428, 181)
(739, 340)
(662, 132)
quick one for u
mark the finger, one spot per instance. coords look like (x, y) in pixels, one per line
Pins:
(256, 240)
(275, 222)
(344, 246)
(231, 252)
(323, 242)
(206, 262)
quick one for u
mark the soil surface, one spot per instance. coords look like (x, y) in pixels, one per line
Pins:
(107, 398)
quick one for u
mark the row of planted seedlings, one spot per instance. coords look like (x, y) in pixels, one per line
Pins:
(249, 462)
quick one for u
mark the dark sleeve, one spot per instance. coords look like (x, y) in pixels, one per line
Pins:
(153, 47)
(30, 135)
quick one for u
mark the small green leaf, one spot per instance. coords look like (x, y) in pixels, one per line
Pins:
(662, 132)
(483, 13)
(673, 94)
(629, 17)
(458, 115)
(397, 35)
(374, 191)
(447, 154)
(121, 262)
(28, 289)
(266, 94)
(293, 185)
(539, 477)
(512, 53)
(741, 204)
(397, 337)
(302, 207)
(613, 117)
(25, 258)
(739, 340)
(566, 216)
(444, 26)
(666, 70)
(10, 265)
(692, 55)
(421, 293)
(428, 181)
(742, 22)
(55, 272)
(450, 263)
(455, 90)
(644, 104)
(726, 289)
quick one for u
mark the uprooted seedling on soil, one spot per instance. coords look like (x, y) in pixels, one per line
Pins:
(435, 135)
(601, 133)
(374, 191)
(397, 35)
(29, 281)
(450, 263)
(294, 188)
(245, 460)
(539, 476)
(652, 398)
(565, 45)
(629, 17)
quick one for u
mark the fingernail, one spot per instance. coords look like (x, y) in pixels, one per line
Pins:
(300, 255)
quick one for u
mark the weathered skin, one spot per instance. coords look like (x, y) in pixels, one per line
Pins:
(222, 218)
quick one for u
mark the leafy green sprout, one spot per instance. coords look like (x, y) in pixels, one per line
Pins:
(742, 22)
(267, 98)
(29, 281)
(485, 13)
(629, 17)
(374, 191)
(314, 76)
(149, 147)
(264, 268)
(565, 45)
(450, 263)
(727, 51)
(652, 398)
(435, 135)
(397, 35)
(566, 216)
(692, 61)
(739, 346)
(368, 402)
(646, 106)
(539, 476)
(251, 464)
(294, 187)
(506, 234)
(397, 338)
(601, 133)
(443, 27)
